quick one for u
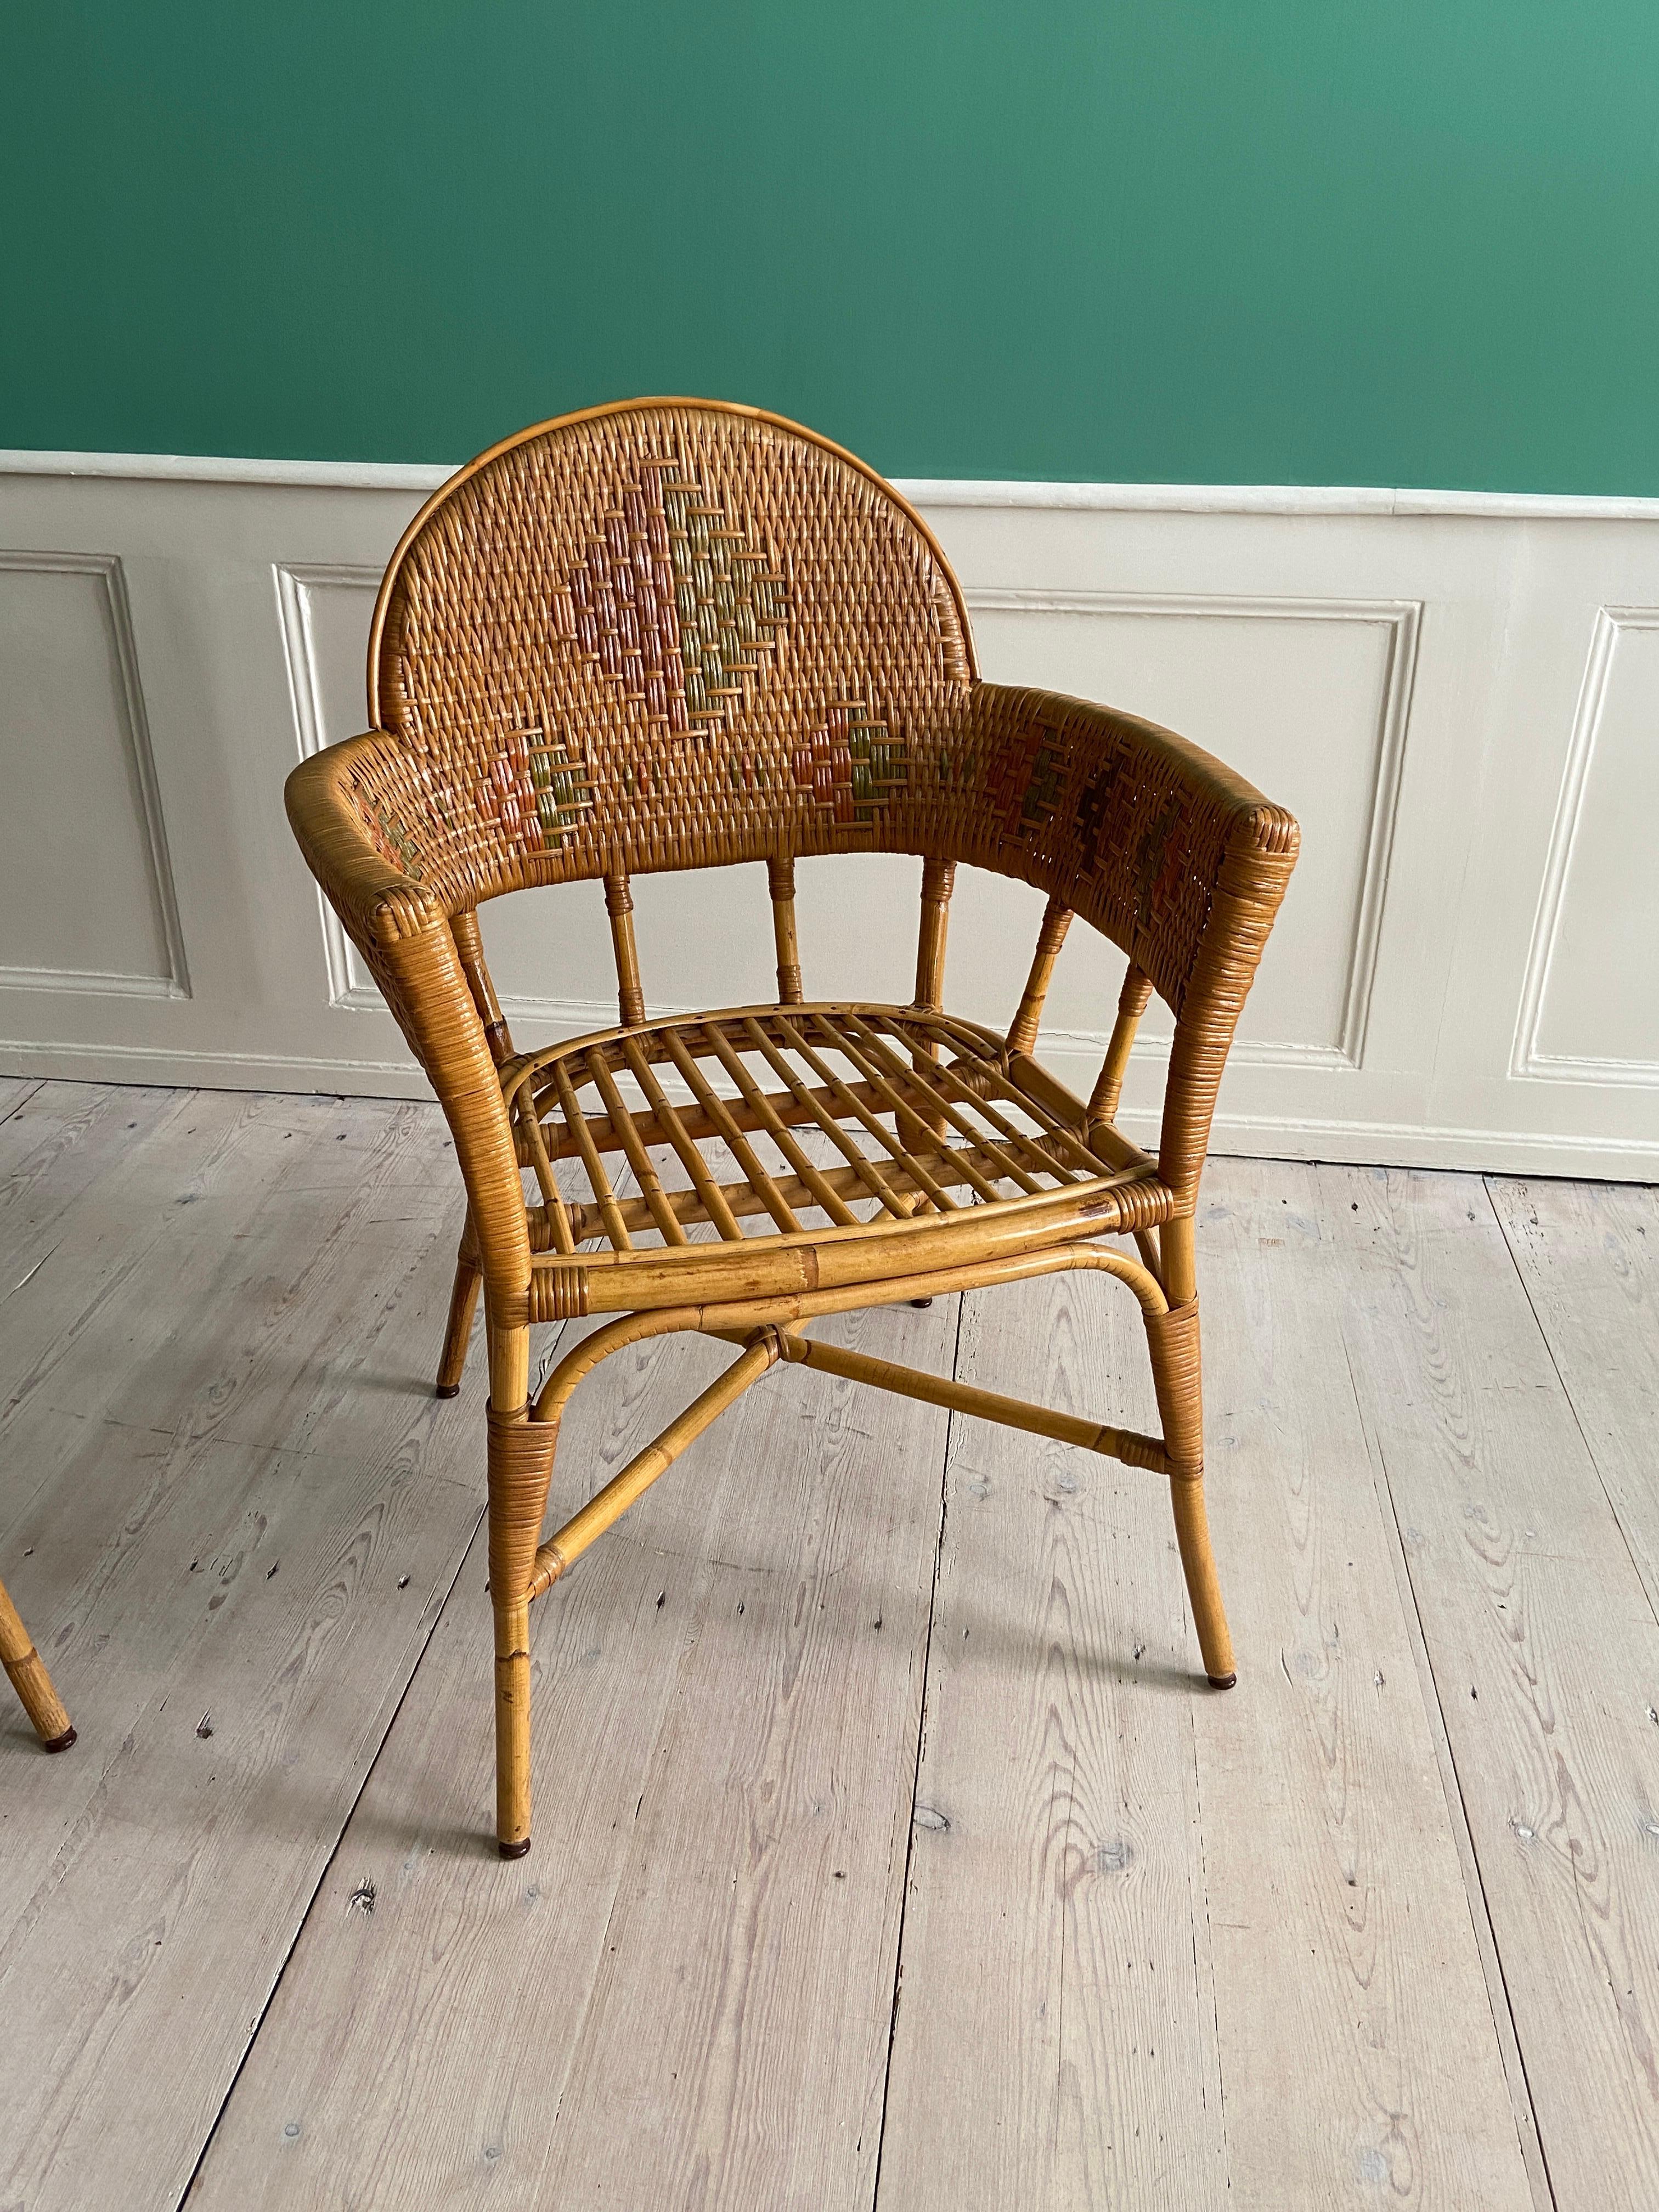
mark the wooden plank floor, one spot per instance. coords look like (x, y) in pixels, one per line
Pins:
(887, 1852)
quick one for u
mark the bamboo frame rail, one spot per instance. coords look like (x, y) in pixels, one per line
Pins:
(675, 636)
(27, 1671)
(1128, 1445)
(562, 1551)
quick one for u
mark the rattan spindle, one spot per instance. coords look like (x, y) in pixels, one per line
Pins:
(1109, 1084)
(1023, 1029)
(670, 635)
(938, 880)
(780, 883)
(619, 905)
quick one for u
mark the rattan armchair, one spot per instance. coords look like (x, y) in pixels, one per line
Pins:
(672, 634)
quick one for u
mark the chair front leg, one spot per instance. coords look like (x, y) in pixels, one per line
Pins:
(1172, 1338)
(520, 1472)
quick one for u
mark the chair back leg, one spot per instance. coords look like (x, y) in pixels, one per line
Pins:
(457, 1334)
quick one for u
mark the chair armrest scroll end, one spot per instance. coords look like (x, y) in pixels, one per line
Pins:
(1271, 830)
(383, 902)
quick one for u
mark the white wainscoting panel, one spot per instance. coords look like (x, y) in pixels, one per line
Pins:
(1590, 1012)
(83, 856)
(1457, 696)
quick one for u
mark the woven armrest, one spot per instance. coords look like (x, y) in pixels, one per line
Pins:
(1127, 823)
(1165, 849)
(348, 806)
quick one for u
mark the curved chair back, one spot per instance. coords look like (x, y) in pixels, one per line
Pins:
(667, 634)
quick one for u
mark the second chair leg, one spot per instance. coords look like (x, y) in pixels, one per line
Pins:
(462, 1304)
(1173, 1341)
(29, 1678)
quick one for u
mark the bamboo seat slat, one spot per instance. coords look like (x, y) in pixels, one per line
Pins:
(713, 1198)
(945, 1084)
(880, 1080)
(913, 1132)
(638, 1157)
(745, 1199)
(875, 1182)
(766, 1117)
(760, 1185)
(575, 1123)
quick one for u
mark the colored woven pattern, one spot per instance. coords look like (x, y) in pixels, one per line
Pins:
(853, 766)
(672, 602)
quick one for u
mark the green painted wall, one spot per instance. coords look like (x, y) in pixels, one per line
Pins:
(1216, 241)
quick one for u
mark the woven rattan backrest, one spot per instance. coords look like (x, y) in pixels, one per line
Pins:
(677, 635)
(662, 636)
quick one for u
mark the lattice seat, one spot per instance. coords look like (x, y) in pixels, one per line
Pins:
(865, 1139)
(671, 634)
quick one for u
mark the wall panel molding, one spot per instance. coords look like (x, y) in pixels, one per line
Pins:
(348, 986)
(921, 491)
(174, 982)
(1400, 619)
(1530, 1061)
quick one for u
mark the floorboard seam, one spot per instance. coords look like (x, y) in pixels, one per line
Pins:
(350, 1812)
(1534, 2157)
(301, 1924)
(1567, 1392)
(915, 1781)
(18, 1104)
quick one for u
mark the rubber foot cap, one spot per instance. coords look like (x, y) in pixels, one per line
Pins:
(1222, 1681)
(921, 1302)
(59, 1742)
(513, 1851)
(445, 1390)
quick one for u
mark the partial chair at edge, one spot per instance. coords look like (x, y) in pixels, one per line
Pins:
(671, 634)
(28, 1676)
